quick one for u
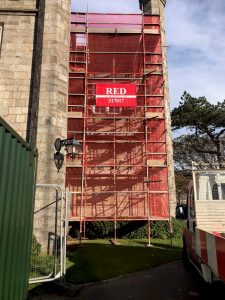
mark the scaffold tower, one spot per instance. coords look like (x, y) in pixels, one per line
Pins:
(122, 171)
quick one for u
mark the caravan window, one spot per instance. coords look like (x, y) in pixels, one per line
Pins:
(223, 191)
(215, 192)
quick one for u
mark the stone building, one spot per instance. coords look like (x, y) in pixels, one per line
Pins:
(34, 58)
(34, 72)
(153, 6)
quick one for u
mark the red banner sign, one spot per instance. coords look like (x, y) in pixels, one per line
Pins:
(116, 95)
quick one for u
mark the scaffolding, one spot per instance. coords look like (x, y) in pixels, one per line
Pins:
(122, 172)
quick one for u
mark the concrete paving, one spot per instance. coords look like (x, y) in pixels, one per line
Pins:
(170, 282)
(167, 282)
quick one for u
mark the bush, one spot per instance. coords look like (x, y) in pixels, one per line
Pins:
(130, 229)
(178, 227)
(44, 265)
(99, 230)
(94, 230)
(161, 230)
(36, 247)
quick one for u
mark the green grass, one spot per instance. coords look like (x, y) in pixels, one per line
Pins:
(98, 260)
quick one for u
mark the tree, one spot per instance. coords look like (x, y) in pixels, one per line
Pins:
(186, 150)
(203, 130)
(205, 137)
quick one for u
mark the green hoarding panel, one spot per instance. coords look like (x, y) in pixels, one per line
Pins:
(17, 187)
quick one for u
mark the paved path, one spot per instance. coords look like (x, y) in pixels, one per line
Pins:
(167, 282)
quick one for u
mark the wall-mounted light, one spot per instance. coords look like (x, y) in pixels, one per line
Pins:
(72, 146)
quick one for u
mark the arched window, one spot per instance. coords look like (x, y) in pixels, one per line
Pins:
(215, 193)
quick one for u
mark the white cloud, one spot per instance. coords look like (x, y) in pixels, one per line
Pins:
(195, 31)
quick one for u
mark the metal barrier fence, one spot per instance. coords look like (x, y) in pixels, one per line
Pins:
(48, 256)
(17, 185)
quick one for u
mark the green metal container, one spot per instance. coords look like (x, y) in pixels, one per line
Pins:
(17, 187)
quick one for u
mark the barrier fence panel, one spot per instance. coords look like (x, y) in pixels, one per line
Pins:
(49, 234)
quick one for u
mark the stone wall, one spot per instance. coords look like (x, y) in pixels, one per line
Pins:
(52, 109)
(15, 62)
(21, 4)
(158, 7)
(152, 6)
(34, 66)
(52, 114)
(34, 75)
(18, 4)
(171, 177)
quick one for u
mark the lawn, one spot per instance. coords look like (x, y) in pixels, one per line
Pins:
(97, 260)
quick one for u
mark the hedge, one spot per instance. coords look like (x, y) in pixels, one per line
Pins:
(129, 229)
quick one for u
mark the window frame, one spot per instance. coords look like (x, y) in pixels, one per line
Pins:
(1, 35)
(215, 191)
(191, 203)
(223, 190)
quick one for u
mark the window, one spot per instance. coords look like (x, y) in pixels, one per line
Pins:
(223, 190)
(215, 192)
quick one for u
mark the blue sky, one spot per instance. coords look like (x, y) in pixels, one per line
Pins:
(196, 43)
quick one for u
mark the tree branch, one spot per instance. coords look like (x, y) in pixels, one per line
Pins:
(220, 133)
(200, 150)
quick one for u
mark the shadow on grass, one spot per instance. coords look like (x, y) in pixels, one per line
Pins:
(159, 245)
(96, 261)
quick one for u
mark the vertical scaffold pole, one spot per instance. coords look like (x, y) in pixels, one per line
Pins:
(146, 131)
(115, 236)
(149, 233)
(171, 232)
(80, 232)
(114, 159)
(83, 200)
(84, 231)
(149, 214)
